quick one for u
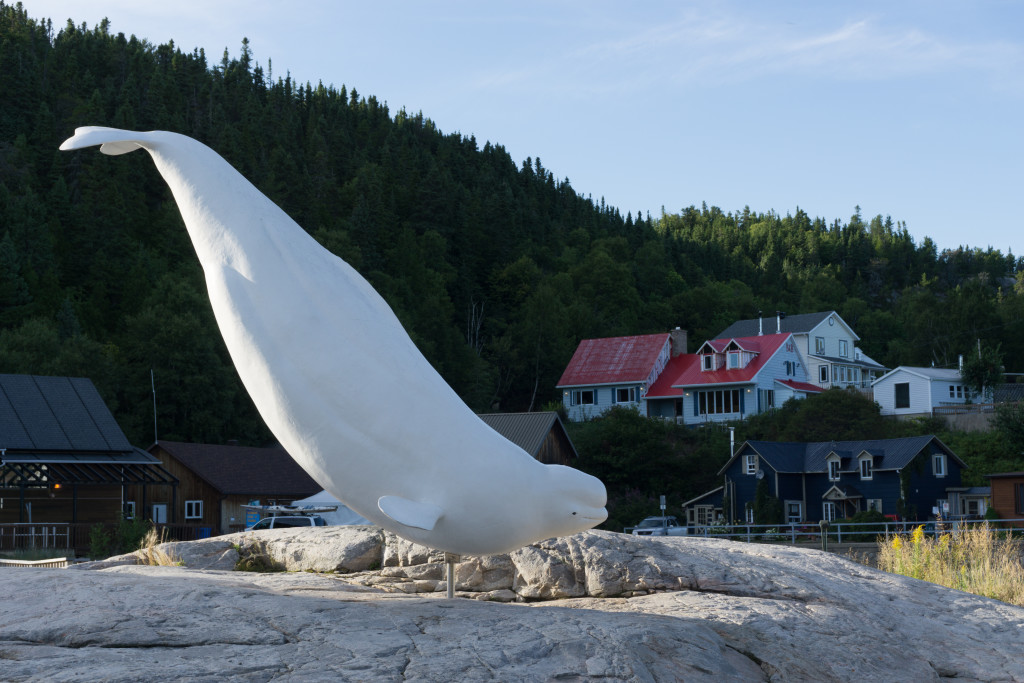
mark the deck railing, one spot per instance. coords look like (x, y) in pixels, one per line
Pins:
(75, 537)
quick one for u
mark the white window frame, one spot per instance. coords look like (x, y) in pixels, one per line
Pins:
(630, 395)
(190, 509)
(833, 470)
(798, 516)
(129, 509)
(707, 362)
(819, 345)
(866, 468)
(749, 514)
(823, 374)
(828, 511)
(750, 463)
(844, 349)
(939, 465)
(734, 360)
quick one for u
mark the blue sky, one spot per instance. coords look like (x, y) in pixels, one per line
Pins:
(910, 109)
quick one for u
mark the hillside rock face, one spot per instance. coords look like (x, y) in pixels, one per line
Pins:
(597, 605)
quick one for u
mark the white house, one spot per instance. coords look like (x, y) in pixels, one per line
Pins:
(912, 391)
(827, 347)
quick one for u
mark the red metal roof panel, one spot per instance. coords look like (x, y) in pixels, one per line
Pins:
(613, 359)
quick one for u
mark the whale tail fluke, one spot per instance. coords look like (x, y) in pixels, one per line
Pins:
(112, 141)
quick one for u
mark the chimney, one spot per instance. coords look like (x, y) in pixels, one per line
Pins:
(961, 363)
(779, 315)
(678, 342)
(760, 324)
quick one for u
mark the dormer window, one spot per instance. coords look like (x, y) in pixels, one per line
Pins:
(865, 468)
(833, 469)
(734, 360)
(707, 362)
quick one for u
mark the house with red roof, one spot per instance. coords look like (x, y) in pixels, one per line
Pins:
(730, 379)
(616, 371)
(725, 380)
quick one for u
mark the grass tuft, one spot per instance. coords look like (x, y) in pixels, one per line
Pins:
(154, 552)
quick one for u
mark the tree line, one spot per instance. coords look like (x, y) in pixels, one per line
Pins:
(496, 268)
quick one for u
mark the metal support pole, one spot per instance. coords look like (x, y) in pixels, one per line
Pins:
(824, 534)
(450, 560)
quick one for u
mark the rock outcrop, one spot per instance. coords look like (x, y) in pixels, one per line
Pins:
(361, 604)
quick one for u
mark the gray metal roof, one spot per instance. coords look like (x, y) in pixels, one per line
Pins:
(56, 414)
(888, 454)
(526, 430)
(804, 322)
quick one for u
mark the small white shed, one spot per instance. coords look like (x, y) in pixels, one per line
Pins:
(919, 391)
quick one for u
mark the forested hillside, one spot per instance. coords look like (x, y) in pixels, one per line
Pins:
(496, 268)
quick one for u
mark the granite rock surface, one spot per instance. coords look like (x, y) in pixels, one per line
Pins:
(358, 603)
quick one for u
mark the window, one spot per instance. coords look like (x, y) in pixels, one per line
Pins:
(193, 509)
(129, 509)
(844, 349)
(716, 402)
(749, 515)
(956, 391)
(833, 470)
(875, 504)
(583, 397)
(865, 468)
(828, 511)
(939, 465)
(751, 464)
(707, 362)
(625, 395)
(734, 360)
(767, 398)
(902, 394)
(970, 507)
(823, 374)
(819, 345)
(705, 515)
(794, 511)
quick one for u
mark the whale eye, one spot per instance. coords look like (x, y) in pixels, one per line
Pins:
(574, 514)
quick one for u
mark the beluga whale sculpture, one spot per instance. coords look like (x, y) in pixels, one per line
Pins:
(340, 383)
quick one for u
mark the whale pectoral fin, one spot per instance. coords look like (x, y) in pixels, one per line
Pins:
(410, 512)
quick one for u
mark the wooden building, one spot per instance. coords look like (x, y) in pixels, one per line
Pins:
(542, 435)
(216, 481)
(1008, 495)
(63, 457)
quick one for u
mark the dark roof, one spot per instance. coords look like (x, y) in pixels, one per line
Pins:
(56, 414)
(888, 454)
(243, 470)
(527, 430)
(795, 324)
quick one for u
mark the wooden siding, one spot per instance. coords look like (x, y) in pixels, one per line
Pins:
(1003, 500)
(190, 487)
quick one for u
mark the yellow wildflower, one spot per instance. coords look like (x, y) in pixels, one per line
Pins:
(918, 535)
(897, 543)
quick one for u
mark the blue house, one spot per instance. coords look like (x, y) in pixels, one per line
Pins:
(907, 478)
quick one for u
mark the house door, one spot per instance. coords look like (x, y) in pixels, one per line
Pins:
(160, 513)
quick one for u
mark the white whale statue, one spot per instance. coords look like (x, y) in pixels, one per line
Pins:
(340, 383)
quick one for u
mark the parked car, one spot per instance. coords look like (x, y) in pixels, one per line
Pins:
(659, 526)
(288, 522)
